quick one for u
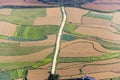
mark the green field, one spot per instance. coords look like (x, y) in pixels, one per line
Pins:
(24, 16)
(17, 50)
(30, 33)
(101, 16)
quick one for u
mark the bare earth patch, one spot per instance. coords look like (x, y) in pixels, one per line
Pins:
(7, 29)
(113, 67)
(74, 15)
(102, 33)
(104, 75)
(82, 49)
(38, 74)
(95, 21)
(116, 18)
(5, 11)
(53, 17)
(100, 26)
(50, 41)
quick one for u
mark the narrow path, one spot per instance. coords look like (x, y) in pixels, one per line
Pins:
(57, 48)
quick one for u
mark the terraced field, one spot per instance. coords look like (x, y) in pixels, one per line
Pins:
(96, 50)
(23, 44)
(90, 44)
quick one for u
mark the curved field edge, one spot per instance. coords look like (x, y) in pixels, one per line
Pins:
(70, 28)
(14, 49)
(34, 33)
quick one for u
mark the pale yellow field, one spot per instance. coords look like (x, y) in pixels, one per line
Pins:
(74, 15)
(5, 11)
(53, 17)
(116, 18)
(7, 29)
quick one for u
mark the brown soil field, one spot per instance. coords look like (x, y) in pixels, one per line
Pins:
(83, 49)
(7, 29)
(103, 5)
(69, 72)
(27, 58)
(79, 47)
(104, 75)
(96, 21)
(97, 32)
(114, 67)
(74, 15)
(49, 41)
(69, 69)
(116, 18)
(53, 17)
(38, 74)
(97, 76)
(111, 28)
(5, 11)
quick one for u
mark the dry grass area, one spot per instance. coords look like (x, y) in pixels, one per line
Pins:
(116, 18)
(27, 58)
(96, 21)
(38, 74)
(5, 11)
(103, 5)
(74, 15)
(49, 41)
(102, 33)
(53, 17)
(7, 29)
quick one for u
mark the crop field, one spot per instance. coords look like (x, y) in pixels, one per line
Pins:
(23, 44)
(90, 43)
(96, 50)
(51, 17)
(74, 15)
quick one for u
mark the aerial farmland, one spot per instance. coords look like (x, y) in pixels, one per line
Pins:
(31, 33)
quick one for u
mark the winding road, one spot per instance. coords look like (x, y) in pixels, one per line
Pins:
(57, 48)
